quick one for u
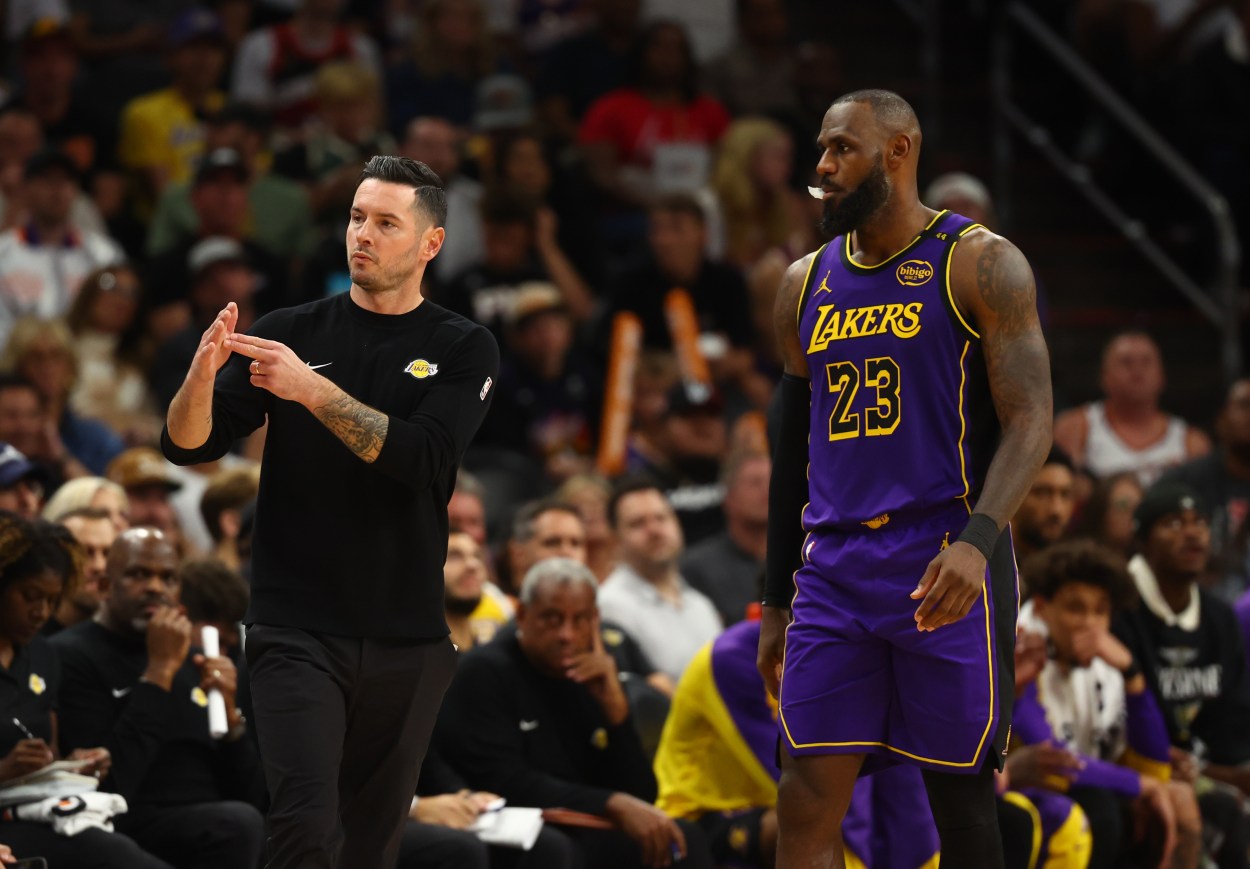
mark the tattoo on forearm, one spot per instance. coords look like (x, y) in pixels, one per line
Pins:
(359, 426)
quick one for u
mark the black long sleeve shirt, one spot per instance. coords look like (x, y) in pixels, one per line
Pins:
(1199, 676)
(342, 546)
(536, 740)
(162, 752)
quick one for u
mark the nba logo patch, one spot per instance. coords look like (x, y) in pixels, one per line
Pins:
(485, 389)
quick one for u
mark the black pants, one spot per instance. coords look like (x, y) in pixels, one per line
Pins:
(343, 724)
(90, 849)
(199, 835)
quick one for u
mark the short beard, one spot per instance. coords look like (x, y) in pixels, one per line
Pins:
(461, 606)
(858, 205)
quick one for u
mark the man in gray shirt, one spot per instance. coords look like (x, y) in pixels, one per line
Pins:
(646, 594)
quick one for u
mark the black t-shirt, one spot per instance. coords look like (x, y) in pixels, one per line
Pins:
(542, 417)
(1198, 677)
(719, 294)
(485, 294)
(28, 693)
(342, 546)
(159, 740)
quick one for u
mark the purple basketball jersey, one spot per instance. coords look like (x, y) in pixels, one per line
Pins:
(897, 382)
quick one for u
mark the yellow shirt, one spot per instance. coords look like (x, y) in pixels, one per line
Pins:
(160, 130)
(703, 764)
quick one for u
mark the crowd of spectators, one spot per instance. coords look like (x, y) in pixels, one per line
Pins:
(158, 161)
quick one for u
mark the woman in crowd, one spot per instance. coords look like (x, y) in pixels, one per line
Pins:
(96, 492)
(39, 564)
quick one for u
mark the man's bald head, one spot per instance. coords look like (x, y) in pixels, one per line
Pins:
(134, 540)
(893, 113)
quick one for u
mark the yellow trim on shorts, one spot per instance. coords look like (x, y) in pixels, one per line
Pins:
(1021, 801)
(976, 756)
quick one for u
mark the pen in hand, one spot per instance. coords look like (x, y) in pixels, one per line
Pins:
(22, 727)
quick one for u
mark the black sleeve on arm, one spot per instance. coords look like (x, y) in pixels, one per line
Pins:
(238, 410)
(417, 450)
(787, 492)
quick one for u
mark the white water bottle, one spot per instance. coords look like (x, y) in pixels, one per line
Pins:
(217, 727)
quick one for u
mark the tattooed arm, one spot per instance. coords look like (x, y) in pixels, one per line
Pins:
(993, 283)
(993, 288)
(356, 424)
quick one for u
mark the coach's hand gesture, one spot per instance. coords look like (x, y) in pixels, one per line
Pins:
(276, 368)
(950, 586)
(214, 349)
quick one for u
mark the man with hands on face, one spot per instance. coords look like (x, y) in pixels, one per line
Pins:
(371, 398)
(541, 719)
(132, 685)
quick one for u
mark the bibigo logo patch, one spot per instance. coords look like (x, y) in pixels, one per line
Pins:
(421, 369)
(914, 272)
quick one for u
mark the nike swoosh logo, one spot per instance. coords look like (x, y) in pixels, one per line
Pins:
(119, 693)
(312, 367)
(527, 726)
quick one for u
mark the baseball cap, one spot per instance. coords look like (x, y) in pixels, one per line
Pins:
(221, 160)
(142, 466)
(195, 24)
(15, 466)
(503, 102)
(1164, 499)
(533, 298)
(50, 160)
(687, 399)
(213, 250)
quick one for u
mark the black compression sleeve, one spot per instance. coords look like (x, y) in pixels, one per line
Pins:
(787, 492)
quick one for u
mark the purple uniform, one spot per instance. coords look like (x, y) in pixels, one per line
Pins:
(902, 430)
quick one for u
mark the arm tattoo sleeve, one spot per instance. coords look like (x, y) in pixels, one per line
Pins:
(357, 425)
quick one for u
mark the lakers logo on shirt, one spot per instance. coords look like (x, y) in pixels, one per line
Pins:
(37, 684)
(914, 272)
(599, 739)
(835, 325)
(421, 369)
(198, 697)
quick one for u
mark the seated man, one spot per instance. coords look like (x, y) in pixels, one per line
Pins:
(1189, 647)
(1091, 698)
(542, 720)
(131, 686)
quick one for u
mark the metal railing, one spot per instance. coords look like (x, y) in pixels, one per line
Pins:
(1217, 302)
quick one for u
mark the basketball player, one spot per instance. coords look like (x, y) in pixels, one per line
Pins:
(908, 340)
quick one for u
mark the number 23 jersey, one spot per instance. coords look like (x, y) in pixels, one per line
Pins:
(902, 425)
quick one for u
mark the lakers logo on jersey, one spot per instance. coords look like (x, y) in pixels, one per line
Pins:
(914, 272)
(835, 325)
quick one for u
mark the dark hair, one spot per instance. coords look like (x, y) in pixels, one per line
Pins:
(431, 199)
(890, 109)
(29, 548)
(680, 203)
(628, 485)
(17, 381)
(130, 344)
(212, 592)
(1093, 521)
(229, 490)
(1056, 456)
(526, 516)
(637, 58)
(1087, 561)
